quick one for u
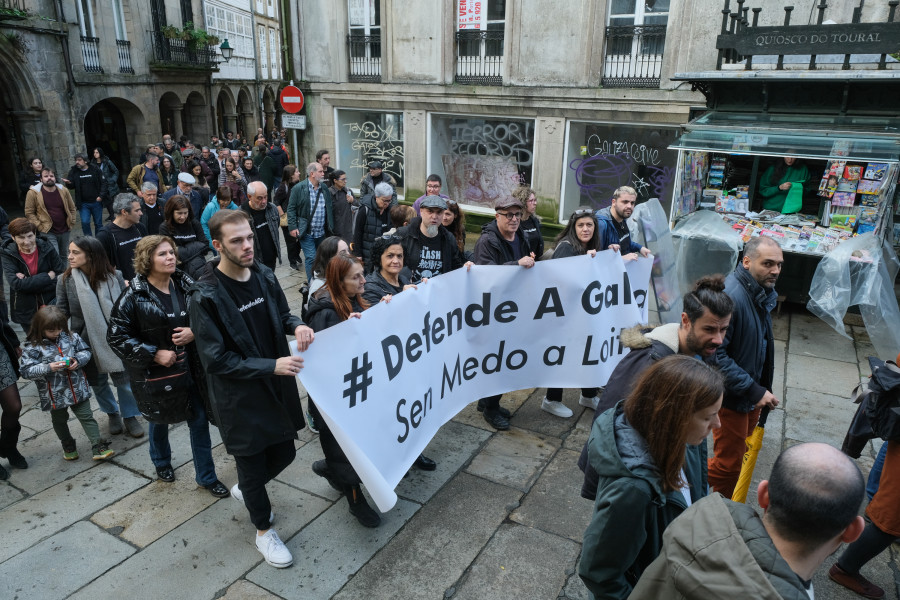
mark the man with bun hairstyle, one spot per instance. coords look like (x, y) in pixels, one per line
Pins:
(704, 321)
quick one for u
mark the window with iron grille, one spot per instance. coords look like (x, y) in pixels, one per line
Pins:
(364, 40)
(480, 33)
(635, 40)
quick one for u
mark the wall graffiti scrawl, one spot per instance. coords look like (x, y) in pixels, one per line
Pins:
(609, 156)
(368, 136)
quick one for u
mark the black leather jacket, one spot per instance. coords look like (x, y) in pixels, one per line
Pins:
(138, 327)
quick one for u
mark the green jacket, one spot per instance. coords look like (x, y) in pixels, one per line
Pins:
(300, 208)
(773, 198)
(631, 511)
(718, 549)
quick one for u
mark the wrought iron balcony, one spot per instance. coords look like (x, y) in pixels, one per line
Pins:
(123, 48)
(181, 53)
(90, 53)
(634, 55)
(479, 57)
(12, 10)
(365, 58)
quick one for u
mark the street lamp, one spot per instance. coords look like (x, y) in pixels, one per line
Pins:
(226, 50)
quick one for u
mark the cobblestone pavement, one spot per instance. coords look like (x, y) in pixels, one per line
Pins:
(501, 517)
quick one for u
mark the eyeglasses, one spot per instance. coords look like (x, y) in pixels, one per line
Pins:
(436, 186)
(342, 179)
(511, 216)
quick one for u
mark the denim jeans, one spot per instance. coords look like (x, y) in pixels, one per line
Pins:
(126, 406)
(88, 210)
(201, 446)
(309, 244)
(875, 474)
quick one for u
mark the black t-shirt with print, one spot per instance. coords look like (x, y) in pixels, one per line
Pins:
(430, 260)
(264, 235)
(251, 302)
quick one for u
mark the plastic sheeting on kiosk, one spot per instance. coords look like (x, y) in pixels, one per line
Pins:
(650, 226)
(860, 272)
(704, 245)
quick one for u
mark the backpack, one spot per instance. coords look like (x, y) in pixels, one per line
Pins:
(878, 414)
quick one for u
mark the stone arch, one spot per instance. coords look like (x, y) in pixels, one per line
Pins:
(113, 124)
(245, 112)
(171, 115)
(23, 125)
(226, 118)
(269, 108)
(196, 125)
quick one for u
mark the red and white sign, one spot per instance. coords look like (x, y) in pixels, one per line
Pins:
(471, 14)
(291, 99)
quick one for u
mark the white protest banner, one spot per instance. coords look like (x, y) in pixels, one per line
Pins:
(385, 383)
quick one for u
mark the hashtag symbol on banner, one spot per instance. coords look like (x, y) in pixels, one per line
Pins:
(359, 380)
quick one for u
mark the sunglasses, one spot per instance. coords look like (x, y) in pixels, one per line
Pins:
(582, 212)
(511, 216)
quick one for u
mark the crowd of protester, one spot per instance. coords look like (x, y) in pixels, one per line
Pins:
(175, 300)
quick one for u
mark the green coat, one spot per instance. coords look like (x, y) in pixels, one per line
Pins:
(631, 511)
(773, 198)
(300, 208)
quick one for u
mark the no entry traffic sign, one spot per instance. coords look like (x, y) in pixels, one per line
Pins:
(291, 99)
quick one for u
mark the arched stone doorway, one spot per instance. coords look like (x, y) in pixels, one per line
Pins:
(107, 125)
(269, 109)
(195, 119)
(246, 120)
(171, 113)
(23, 128)
(226, 119)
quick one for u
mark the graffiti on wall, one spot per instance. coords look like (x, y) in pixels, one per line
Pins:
(599, 176)
(373, 141)
(488, 159)
(480, 180)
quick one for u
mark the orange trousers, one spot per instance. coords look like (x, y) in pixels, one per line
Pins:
(729, 447)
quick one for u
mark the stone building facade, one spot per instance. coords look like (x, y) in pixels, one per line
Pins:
(110, 73)
(573, 98)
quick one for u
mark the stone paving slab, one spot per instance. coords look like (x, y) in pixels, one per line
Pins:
(300, 474)
(9, 494)
(519, 562)
(810, 336)
(244, 590)
(778, 376)
(206, 553)
(146, 515)
(814, 416)
(578, 437)
(452, 447)
(878, 570)
(533, 418)
(139, 461)
(554, 503)
(511, 401)
(61, 564)
(781, 324)
(821, 375)
(514, 458)
(437, 545)
(53, 509)
(329, 551)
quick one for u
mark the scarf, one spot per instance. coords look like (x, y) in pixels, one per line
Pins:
(96, 308)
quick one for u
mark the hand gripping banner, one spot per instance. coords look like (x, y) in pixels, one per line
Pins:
(385, 383)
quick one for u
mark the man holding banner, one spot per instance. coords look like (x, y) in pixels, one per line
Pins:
(501, 243)
(240, 317)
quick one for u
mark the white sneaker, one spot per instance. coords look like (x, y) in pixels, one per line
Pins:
(556, 408)
(239, 496)
(274, 550)
(589, 402)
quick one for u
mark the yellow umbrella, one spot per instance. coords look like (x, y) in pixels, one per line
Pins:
(748, 464)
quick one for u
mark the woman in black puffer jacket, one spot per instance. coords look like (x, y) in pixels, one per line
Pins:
(149, 330)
